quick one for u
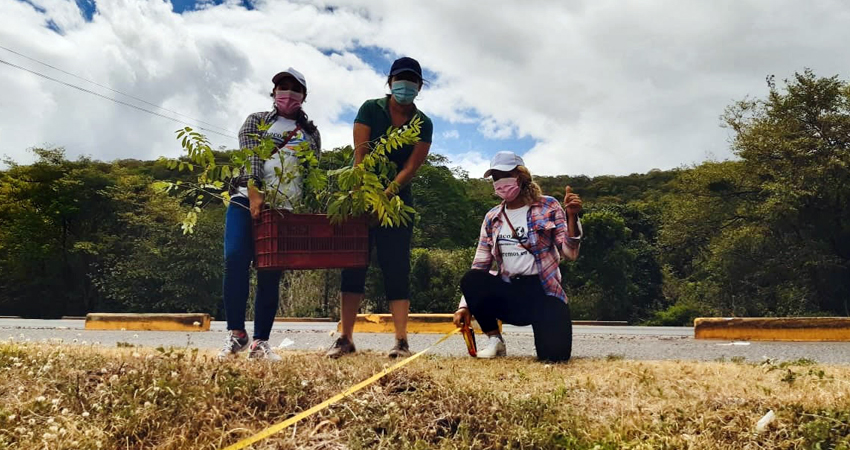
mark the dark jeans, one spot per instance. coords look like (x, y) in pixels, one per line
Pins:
(393, 246)
(238, 254)
(521, 302)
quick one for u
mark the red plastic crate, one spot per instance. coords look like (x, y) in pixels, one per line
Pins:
(287, 241)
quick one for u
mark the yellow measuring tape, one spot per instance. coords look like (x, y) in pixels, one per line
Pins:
(276, 428)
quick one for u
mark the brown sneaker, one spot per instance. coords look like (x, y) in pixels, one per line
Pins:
(401, 349)
(341, 347)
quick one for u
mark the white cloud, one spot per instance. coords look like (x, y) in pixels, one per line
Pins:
(602, 86)
(473, 162)
(451, 134)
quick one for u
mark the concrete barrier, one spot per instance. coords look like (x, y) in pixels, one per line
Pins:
(416, 323)
(148, 322)
(303, 319)
(433, 323)
(816, 329)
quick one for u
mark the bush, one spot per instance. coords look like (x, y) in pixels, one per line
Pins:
(434, 281)
(676, 315)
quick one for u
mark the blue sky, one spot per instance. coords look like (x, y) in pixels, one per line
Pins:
(584, 87)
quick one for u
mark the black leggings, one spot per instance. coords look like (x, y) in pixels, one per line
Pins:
(521, 302)
(393, 246)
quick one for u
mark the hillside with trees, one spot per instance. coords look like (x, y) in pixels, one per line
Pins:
(765, 234)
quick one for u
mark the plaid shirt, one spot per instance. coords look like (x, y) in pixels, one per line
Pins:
(548, 238)
(250, 136)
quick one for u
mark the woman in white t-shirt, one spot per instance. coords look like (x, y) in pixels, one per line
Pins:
(525, 236)
(275, 180)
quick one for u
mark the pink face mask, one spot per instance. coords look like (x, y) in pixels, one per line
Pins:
(507, 188)
(288, 102)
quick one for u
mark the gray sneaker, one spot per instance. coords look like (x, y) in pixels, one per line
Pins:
(262, 350)
(341, 346)
(233, 345)
(401, 349)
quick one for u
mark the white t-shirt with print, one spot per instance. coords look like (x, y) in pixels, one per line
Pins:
(516, 260)
(285, 160)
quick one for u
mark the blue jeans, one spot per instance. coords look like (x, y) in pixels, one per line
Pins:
(238, 254)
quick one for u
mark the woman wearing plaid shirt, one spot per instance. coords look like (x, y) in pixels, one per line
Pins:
(267, 180)
(525, 236)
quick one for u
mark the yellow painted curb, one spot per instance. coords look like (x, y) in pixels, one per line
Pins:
(302, 319)
(816, 329)
(148, 322)
(416, 323)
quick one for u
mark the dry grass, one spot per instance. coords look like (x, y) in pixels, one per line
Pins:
(73, 397)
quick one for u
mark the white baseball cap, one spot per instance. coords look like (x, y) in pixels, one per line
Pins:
(504, 162)
(290, 72)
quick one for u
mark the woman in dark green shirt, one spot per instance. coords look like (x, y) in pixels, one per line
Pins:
(392, 243)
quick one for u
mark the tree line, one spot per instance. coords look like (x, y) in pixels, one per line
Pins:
(765, 234)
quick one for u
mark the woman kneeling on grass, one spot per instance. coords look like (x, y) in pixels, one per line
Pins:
(525, 235)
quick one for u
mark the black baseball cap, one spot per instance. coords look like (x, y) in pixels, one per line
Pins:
(406, 64)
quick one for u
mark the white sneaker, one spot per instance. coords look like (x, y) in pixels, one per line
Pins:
(262, 350)
(233, 345)
(495, 347)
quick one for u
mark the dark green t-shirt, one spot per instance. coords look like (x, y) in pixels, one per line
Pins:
(375, 113)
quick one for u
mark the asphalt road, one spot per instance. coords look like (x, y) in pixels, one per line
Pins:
(638, 343)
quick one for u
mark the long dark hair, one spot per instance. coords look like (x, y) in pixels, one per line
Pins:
(305, 123)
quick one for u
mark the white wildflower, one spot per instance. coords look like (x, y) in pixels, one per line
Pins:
(40, 398)
(85, 414)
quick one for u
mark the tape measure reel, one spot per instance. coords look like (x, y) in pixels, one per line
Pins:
(469, 338)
